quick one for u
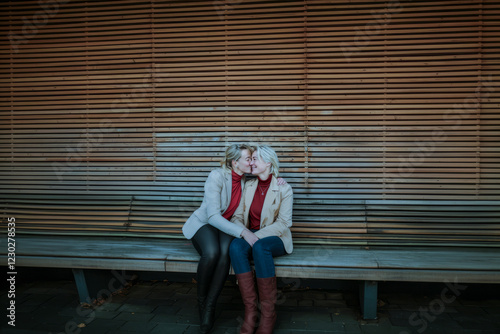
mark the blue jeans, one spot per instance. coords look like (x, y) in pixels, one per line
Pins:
(262, 254)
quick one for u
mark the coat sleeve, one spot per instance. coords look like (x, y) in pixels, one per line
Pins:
(283, 220)
(213, 189)
(238, 218)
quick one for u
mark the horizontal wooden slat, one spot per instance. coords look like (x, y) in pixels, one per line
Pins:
(320, 261)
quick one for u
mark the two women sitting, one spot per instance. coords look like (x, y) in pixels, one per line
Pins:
(242, 221)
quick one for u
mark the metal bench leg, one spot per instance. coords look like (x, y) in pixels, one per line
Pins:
(368, 299)
(81, 286)
(98, 284)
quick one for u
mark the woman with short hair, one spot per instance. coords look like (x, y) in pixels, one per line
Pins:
(265, 212)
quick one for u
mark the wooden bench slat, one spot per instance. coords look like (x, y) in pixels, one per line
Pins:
(91, 263)
(398, 258)
(304, 256)
(437, 203)
(416, 275)
(99, 247)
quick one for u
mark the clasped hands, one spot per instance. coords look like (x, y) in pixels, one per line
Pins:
(249, 237)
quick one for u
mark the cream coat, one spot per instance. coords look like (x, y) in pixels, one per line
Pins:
(276, 216)
(216, 200)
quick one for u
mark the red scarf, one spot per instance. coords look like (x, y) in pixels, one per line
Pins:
(235, 195)
(258, 202)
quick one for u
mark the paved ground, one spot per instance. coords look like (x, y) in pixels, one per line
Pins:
(51, 306)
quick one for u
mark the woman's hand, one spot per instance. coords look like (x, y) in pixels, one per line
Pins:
(249, 237)
(281, 181)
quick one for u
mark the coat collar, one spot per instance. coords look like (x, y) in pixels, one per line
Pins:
(272, 192)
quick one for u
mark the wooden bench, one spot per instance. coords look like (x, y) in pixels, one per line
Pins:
(364, 240)
(368, 265)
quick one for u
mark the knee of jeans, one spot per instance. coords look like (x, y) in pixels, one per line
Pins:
(237, 247)
(233, 248)
(259, 249)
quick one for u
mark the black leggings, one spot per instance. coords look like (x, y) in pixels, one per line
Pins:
(213, 268)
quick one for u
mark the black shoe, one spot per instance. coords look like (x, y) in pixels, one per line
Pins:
(207, 322)
(201, 306)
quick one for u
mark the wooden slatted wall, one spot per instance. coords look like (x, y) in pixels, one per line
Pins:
(385, 114)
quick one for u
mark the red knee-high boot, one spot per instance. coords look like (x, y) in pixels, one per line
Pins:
(246, 283)
(267, 295)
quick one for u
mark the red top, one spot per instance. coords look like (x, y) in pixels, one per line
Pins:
(235, 195)
(258, 203)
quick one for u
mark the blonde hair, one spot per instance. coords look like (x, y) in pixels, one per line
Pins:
(233, 152)
(267, 154)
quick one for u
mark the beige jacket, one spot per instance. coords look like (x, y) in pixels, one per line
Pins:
(216, 200)
(276, 216)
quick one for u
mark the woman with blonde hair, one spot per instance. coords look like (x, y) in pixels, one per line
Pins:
(265, 212)
(211, 231)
